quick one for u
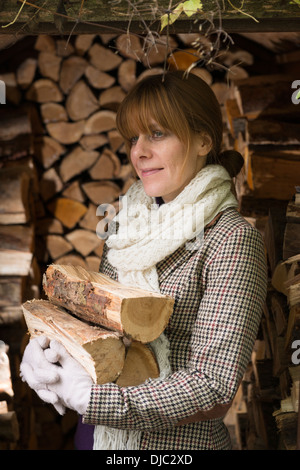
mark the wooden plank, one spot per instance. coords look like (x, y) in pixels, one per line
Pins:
(96, 16)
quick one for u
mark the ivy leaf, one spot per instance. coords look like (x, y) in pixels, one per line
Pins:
(190, 7)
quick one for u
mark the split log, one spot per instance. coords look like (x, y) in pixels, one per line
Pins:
(16, 247)
(111, 98)
(268, 132)
(127, 74)
(73, 191)
(50, 184)
(44, 90)
(83, 42)
(100, 352)
(81, 102)
(266, 96)
(57, 246)
(11, 290)
(72, 70)
(77, 161)
(100, 192)
(84, 241)
(14, 201)
(15, 134)
(53, 112)
(98, 79)
(94, 297)
(140, 365)
(48, 150)
(273, 177)
(107, 166)
(101, 121)
(66, 132)
(26, 72)
(103, 58)
(49, 65)
(68, 211)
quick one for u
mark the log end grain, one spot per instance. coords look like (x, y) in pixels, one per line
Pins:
(140, 365)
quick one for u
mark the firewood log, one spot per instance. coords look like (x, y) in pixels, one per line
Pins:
(127, 74)
(26, 72)
(84, 241)
(100, 192)
(81, 94)
(44, 90)
(101, 121)
(72, 70)
(100, 352)
(83, 42)
(77, 161)
(66, 132)
(140, 365)
(57, 246)
(16, 249)
(107, 166)
(14, 202)
(48, 150)
(49, 65)
(94, 297)
(111, 98)
(98, 79)
(68, 211)
(103, 58)
(53, 112)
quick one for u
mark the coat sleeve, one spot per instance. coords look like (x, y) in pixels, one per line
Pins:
(221, 344)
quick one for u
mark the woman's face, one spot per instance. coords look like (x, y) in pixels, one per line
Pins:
(158, 161)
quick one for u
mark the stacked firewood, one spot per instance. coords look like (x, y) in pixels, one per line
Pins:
(62, 149)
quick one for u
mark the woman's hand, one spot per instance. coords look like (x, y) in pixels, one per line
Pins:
(38, 372)
(55, 376)
(73, 386)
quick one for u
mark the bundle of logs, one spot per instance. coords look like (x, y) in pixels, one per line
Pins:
(103, 324)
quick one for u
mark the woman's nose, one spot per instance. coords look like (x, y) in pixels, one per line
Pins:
(141, 148)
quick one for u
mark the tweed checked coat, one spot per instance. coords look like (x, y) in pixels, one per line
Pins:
(219, 291)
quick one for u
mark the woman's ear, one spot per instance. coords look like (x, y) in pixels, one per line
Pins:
(204, 145)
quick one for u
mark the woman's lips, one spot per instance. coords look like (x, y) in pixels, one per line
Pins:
(150, 172)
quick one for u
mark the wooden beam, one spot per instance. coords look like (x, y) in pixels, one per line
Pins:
(99, 16)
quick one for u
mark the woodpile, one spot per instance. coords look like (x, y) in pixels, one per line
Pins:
(60, 161)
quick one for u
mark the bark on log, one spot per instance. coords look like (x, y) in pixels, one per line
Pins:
(94, 297)
(100, 352)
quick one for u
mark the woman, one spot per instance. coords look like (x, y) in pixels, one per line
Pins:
(179, 234)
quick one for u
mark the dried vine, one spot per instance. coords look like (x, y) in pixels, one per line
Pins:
(212, 37)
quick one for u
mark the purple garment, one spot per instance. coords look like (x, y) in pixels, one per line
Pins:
(84, 436)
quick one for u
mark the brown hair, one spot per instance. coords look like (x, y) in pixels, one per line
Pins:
(183, 104)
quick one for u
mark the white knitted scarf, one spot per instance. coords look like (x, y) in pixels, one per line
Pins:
(147, 234)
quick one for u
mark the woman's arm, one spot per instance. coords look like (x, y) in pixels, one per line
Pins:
(221, 346)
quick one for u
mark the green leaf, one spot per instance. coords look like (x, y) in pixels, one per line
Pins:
(298, 95)
(169, 18)
(190, 7)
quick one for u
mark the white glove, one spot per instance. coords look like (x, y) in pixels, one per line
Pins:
(74, 385)
(38, 372)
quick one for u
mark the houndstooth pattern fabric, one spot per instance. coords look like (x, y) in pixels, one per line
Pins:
(219, 291)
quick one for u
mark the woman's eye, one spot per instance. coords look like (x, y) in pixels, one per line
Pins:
(134, 140)
(157, 134)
